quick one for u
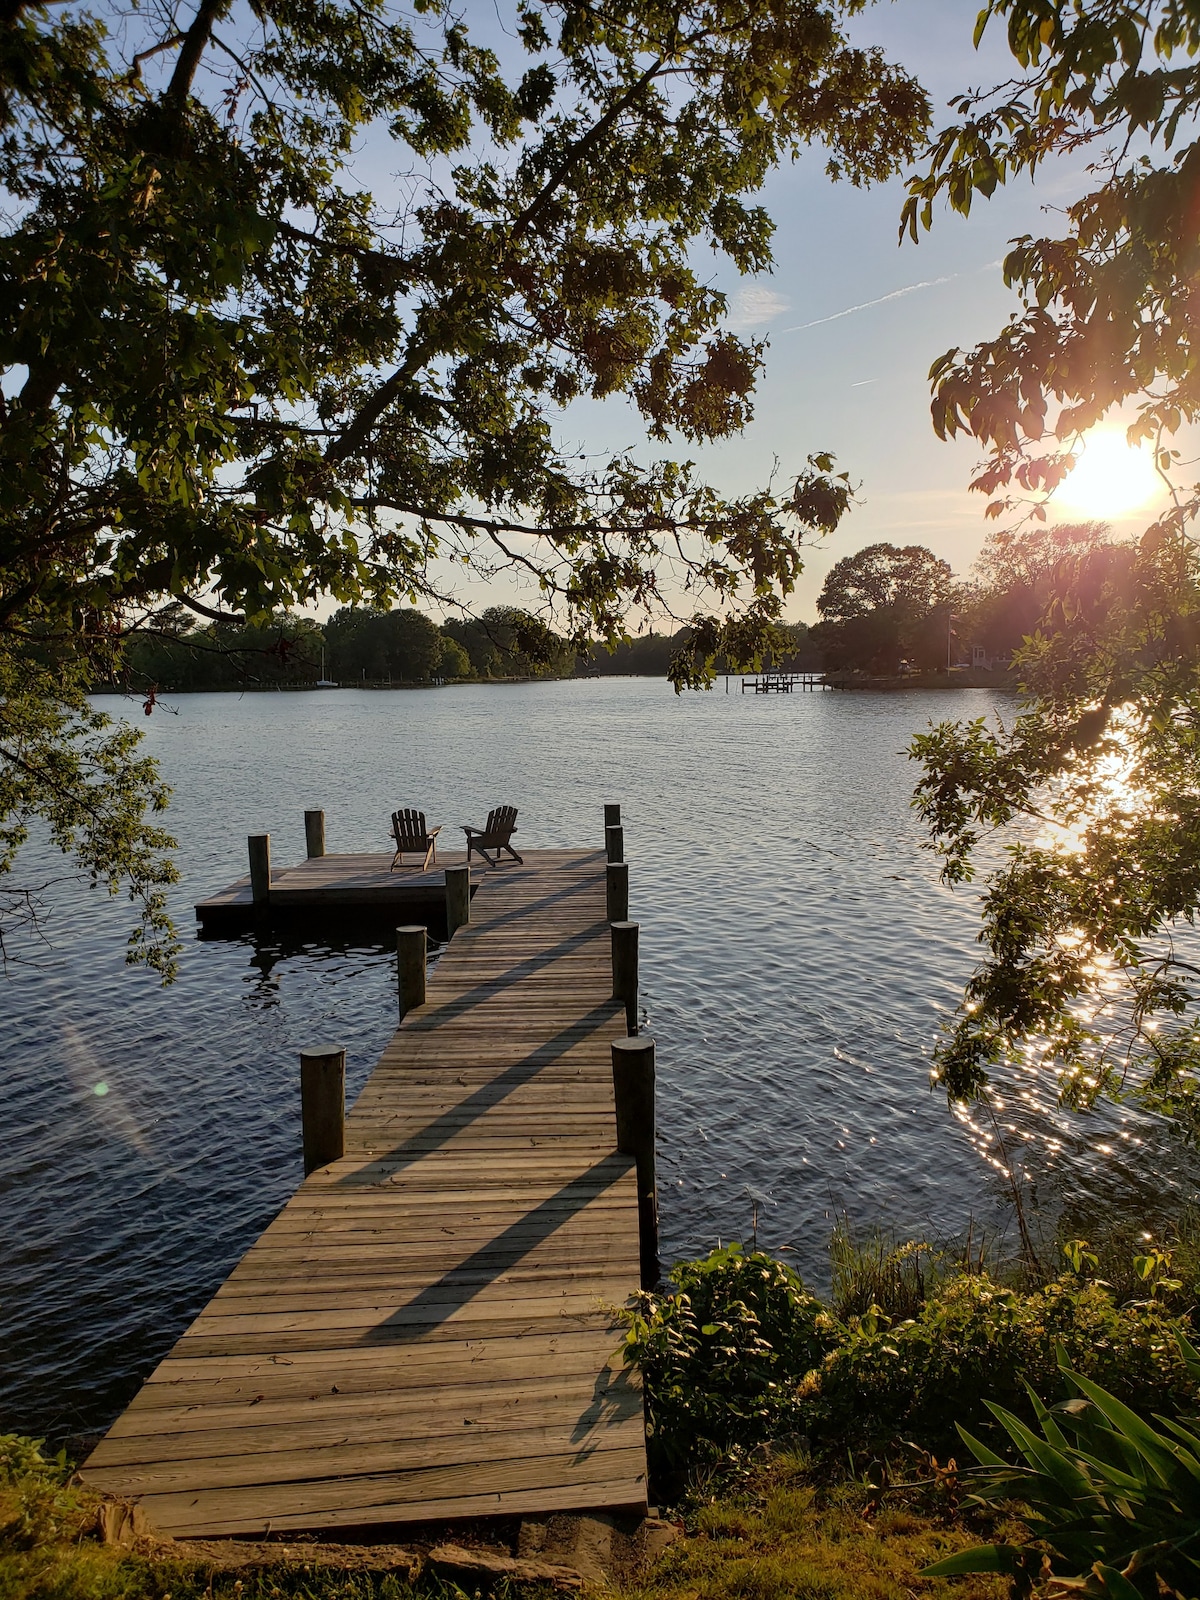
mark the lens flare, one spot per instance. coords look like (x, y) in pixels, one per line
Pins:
(1109, 478)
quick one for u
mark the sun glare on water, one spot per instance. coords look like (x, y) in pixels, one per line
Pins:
(1109, 478)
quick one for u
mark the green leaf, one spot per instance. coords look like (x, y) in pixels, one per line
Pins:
(981, 1558)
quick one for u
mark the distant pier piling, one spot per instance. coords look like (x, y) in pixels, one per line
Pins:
(625, 970)
(458, 898)
(410, 967)
(616, 884)
(314, 833)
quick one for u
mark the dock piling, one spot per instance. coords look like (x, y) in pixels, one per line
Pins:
(260, 867)
(410, 968)
(612, 816)
(633, 1094)
(614, 842)
(314, 833)
(625, 970)
(616, 884)
(323, 1106)
(458, 898)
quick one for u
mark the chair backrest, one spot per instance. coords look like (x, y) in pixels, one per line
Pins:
(408, 829)
(501, 822)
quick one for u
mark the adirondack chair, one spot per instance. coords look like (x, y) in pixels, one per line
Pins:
(501, 825)
(412, 836)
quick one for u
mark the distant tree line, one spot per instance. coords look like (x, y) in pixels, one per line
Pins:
(883, 609)
(358, 644)
(886, 608)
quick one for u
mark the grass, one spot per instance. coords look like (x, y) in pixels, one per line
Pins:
(50, 1550)
(779, 1536)
(784, 1536)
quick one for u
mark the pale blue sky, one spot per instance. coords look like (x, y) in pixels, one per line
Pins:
(857, 385)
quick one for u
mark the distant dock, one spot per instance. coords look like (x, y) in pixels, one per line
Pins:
(785, 683)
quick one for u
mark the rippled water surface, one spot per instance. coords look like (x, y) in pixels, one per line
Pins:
(797, 953)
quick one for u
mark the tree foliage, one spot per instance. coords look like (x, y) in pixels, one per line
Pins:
(1021, 574)
(1092, 789)
(884, 605)
(237, 380)
(366, 642)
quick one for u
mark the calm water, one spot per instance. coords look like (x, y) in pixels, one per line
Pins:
(797, 954)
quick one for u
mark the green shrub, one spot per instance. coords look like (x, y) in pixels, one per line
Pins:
(721, 1353)
(975, 1340)
(737, 1352)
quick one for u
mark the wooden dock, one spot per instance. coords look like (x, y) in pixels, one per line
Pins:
(786, 683)
(339, 885)
(426, 1330)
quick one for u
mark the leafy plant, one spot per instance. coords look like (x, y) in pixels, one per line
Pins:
(35, 1503)
(1091, 788)
(738, 1351)
(1116, 1501)
(721, 1354)
(921, 1376)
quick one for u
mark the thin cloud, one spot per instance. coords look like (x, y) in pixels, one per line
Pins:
(896, 294)
(753, 307)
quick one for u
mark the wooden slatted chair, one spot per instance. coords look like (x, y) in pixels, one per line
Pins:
(501, 825)
(412, 836)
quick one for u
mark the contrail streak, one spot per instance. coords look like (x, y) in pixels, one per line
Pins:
(896, 294)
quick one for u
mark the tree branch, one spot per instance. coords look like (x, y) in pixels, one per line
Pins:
(360, 427)
(194, 41)
(202, 610)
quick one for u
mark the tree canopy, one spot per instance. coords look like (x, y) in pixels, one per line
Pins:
(1093, 788)
(237, 380)
(884, 605)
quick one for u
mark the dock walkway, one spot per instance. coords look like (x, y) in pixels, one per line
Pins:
(426, 1330)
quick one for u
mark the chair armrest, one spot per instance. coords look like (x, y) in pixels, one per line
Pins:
(467, 828)
(433, 832)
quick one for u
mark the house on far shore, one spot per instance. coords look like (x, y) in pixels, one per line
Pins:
(982, 660)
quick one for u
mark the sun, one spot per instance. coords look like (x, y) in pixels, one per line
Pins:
(1110, 478)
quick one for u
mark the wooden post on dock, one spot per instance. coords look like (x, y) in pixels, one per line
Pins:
(323, 1106)
(458, 898)
(616, 883)
(260, 868)
(614, 842)
(633, 1094)
(625, 970)
(314, 833)
(410, 968)
(612, 816)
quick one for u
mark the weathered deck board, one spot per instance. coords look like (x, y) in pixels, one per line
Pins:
(426, 1330)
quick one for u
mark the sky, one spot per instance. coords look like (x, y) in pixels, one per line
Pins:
(854, 320)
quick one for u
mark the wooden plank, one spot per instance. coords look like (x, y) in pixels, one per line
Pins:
(613, 1478)
(485, 1404)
